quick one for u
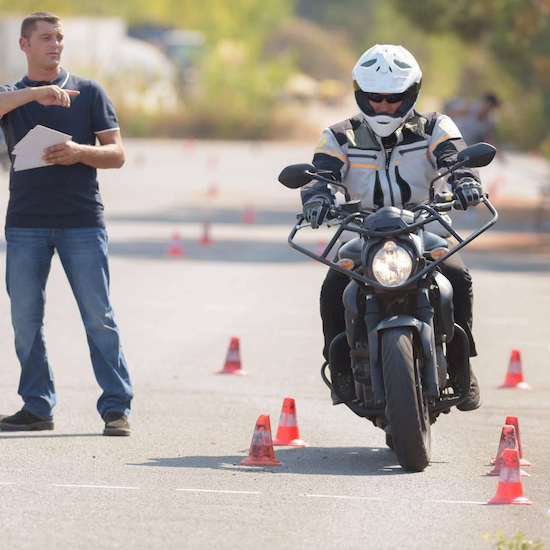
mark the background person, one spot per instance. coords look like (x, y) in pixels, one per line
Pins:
(476, 120)
(386, 155)
(59, 208)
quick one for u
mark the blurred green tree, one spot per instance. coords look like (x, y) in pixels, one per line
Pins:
(351, 18)
(247, 20)
(315, 50)
(517, 34)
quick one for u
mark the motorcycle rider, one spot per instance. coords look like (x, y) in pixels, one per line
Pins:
(387, 155)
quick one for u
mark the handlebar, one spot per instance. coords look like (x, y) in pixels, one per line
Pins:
(443, 203)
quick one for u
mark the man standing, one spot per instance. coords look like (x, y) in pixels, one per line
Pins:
(58, 207)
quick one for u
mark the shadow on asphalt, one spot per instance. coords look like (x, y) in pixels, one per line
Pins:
(217, 251)
(223, 216)
(506, 263)
(334, 461)
(510, 219)
(240, 251)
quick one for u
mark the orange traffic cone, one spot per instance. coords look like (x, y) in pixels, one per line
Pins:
(508, 440)
(205, 239)
(233, 360)
(175, 249)
(287, 432)
(249, 214)
(510, 489)
(514, 376)
(513, 421)
(261, 449)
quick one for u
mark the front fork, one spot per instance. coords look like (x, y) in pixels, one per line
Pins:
(422, 324)
(425, 314)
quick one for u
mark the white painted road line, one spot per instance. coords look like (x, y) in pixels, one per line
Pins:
(216, 491)
(95, 486)
(456, 502)
(341, 496)
(348, 497)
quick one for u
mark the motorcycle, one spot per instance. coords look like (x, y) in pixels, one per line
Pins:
(398, 310)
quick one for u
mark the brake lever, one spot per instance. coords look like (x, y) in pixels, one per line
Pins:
(337, 213)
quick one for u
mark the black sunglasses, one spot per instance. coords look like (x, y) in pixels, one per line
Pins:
(390, 98)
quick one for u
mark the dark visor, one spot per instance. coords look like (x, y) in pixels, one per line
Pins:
(390, 98)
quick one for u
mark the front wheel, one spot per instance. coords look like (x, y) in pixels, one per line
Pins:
(406, 406)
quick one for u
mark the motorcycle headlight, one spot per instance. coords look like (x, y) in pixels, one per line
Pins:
(392, 264)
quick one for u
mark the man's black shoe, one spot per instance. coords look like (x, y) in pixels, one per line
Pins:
(473, 401)
(116, 424)
(24, 421)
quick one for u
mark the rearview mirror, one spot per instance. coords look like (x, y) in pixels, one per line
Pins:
(296, 176)
(477, 155)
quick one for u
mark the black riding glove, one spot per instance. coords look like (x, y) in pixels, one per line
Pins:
(468, 192)
(316, 210)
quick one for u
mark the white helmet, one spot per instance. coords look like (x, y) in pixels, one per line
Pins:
(386, 69)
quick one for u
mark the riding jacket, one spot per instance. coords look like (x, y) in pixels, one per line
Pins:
(378, 175)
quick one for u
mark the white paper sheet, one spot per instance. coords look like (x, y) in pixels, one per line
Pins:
(23, 162)
(30, 149)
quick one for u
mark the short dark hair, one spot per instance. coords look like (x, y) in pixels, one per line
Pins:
(29, 23)
(492, 98)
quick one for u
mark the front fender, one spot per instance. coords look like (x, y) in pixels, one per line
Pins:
(423, 330)
(424, 334)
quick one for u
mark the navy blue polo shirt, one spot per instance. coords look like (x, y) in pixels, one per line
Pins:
(58, 196)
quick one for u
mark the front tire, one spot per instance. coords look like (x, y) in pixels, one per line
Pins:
(406, 407)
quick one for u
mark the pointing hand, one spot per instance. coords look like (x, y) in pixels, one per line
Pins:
(54, 95)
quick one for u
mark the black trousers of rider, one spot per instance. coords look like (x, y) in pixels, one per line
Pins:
(332, 308)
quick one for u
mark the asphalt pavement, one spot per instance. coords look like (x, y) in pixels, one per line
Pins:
(177, 482)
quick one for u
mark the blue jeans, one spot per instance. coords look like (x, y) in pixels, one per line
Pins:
(83, 254)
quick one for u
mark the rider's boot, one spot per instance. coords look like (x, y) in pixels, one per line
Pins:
(473, 401)
(346, 386)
